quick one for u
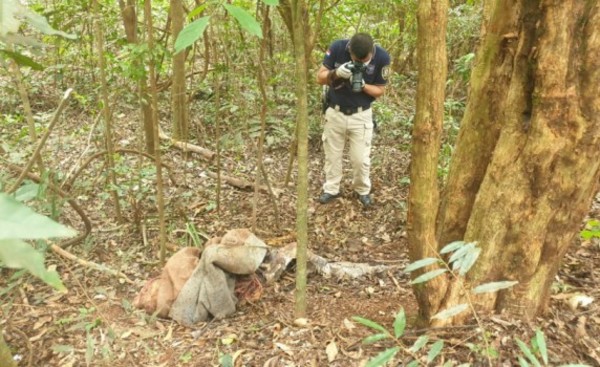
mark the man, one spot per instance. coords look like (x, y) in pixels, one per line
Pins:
(349, 113)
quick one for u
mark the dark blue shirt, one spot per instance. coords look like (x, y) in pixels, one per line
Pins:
(376, 73)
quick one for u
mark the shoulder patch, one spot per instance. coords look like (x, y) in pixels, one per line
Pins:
(385, 72)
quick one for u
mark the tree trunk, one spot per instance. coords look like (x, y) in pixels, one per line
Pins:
(527, 162)
(302, 189)
(426, 136)
(129, 16)
(178, 92)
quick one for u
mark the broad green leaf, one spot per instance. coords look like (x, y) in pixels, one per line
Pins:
(527, 352)
(428, 276)
(399, 323)
(452, 246)
(420, 263)
(22, 60)
(9, 23)
(435, 350)
(271, 2)
(450, 312)
(40, 22)
(17, 221)
(383, 357)
(369, 323)
(246, 20)
(191, 33)
(540, 341)
(419, 343)
(375, 338)
(469, 261)
(27, 192)
(493, 286)
(17, 254)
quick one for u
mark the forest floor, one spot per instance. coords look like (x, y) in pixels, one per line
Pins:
(95, 324)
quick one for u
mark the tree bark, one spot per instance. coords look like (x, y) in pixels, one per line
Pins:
(299, 28)
(426, 137)
(178, 90)
(527, 165)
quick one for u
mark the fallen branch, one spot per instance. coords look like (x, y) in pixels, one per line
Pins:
(42, 142)
(74, 204)
(243, 184)
(187, 147)
(90, 264)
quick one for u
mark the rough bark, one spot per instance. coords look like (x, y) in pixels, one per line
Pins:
(545, 166)
(426, 136)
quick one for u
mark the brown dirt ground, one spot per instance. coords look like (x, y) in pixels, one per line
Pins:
(94, 323)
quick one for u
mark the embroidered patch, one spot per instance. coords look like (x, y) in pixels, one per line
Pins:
(385, 72)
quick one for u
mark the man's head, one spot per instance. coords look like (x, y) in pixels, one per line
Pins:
(361, 47)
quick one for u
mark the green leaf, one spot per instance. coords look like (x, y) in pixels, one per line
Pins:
(369, 323)
(413, 363)
(435, 350)
(469, 261)
(40, 22)
(419, 343)
(428, 276)
(523, 362)
(27, 192)
(226, 360)
(399, 323)
(22, 60)
(450, 312)
(462, 251)
(17, 254)
(527, 352)
(271, 2)
(197, 11)
(191, 33)
(540, 341)
(246, 20)
(420, 263)
(375, 338)
(493, 286)
(383, 357)
(17, 221)
(452, 246)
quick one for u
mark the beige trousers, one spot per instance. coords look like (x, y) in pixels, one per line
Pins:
(358, 129)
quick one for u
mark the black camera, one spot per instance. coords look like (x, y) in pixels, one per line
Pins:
(357, 68)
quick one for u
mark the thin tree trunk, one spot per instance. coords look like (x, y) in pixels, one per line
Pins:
(302, 189)
(6, 358)
(178, 90)
(110, 162)
(129, 16)
(426, 137)
(157, 154)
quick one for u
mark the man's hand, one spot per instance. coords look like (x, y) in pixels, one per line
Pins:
(343, 71)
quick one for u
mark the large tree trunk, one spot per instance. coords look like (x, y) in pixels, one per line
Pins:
(426, 136)
(527, 162)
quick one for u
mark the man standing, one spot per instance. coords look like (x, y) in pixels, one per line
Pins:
(356, 72)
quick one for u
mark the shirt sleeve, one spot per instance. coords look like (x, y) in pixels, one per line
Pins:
(382, 71)
(331, 55)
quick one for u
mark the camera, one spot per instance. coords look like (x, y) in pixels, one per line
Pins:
(357, 68)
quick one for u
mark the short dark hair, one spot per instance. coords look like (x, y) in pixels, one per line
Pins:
(361, 44)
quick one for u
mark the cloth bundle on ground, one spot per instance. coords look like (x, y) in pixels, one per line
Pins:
(208, 288)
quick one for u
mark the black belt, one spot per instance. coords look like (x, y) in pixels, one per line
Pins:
(349, 110)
